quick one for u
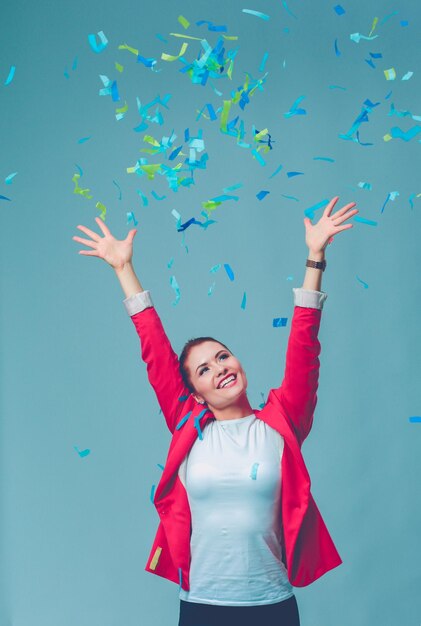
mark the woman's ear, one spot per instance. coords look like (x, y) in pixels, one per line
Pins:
(198, 399)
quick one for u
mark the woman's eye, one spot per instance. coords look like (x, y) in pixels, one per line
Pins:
(202, 370)
(224, 355)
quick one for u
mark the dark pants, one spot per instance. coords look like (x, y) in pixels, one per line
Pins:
(283, 613)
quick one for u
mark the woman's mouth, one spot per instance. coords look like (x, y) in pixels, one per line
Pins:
(230, 381)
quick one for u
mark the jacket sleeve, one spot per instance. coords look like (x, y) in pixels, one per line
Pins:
(161, 360)
(297, 395)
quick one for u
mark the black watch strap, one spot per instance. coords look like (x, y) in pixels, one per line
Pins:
(318, 265)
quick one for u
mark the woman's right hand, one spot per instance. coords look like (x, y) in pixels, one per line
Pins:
(115, 252)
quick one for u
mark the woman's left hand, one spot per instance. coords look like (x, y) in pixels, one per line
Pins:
(320, 234)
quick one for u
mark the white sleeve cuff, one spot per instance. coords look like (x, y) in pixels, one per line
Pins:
(138, 302)
(309, 298)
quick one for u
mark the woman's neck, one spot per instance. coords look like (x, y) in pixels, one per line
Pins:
(241, 408)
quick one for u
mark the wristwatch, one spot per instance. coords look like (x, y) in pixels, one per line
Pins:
(318, 265)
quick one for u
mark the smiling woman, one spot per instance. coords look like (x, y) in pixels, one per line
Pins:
(239, 527)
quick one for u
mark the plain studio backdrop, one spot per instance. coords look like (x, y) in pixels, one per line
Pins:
(82, 436)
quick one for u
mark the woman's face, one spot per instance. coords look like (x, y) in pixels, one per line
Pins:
(210, 366)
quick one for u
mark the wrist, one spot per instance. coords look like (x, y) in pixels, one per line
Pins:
(314, 255)
(123, 269)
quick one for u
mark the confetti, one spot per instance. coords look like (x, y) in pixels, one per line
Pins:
(357, 37)
(284, 4)
(211, 288)
(263, 16)
(279, 321)
(10, 75)
(174, 285)
(339, 10)
(119, 67)
(82, 453)
(397, 133)
(152, 493)
(365, 186)
(415, 419)
(155, 558)
(244, 301)
(390, 196)
(390, 73)
(262, 194)
(9, 179)
(294, 110)
(155, 195)
(118, 187)
(367, 108)
(291, 174)
(197, 422)
(169, 57)
(407, 76)
(263, 63)
(4, 198)
(278, 169)
(229, 271)
(98, 47)
(211, 26)
(84, 139)
(337, 51)
(103, 210)
(363, 283)
(253, 473)
(215, 268)
(310, 211)
(289, 197)
(79, 190)
(258, 157)
(131, 218)
(364, 221)
(323, 159)
(183, 420)
(182, 20)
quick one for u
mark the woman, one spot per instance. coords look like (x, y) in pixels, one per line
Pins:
(238, 524)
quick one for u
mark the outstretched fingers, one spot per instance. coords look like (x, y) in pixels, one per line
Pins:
(344, 209)
(89, 232)
(102, 226)
(328, 209)
(86, 242)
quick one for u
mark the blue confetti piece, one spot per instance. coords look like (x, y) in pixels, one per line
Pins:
(290, 197)
(183, 420)
(145, 201)
(142, 126)
(118, 187)
(258, 157)
(9, 179)
(131, 218)
(278, 169)
(370, 63)
(262, 64)
(82, 453)
(244, 301)
(176, 288)
(80, 169)
(415, 419)
(161, 38)
(155, 195)
(160, 466)
(253, 473)
(337, 51)
(233, 187)
(4, 198)
(339, 10)
(284, 4)
(229, 271)
(197, 422)
(183, 398)
(74, 66)
(363, 283)
(174, 153)
(180, 576)
(215, 268)
(10, 75)
(98, 47)
(291, 174)
(212, 27)
(337, 87)
(397, 133)
(404, 23)
(83, 139)
(152, 493)
(279, 321)
(211, 112)
(324, 159)
(262, 16)
(262, 194)
(410, 200)
(376, 55)
(364, 221)
(146, 62)
(294, 110)
(66, 73)
(114, 92)
(310, 211)
(211, 288)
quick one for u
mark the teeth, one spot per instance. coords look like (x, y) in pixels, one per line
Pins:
(227, 381)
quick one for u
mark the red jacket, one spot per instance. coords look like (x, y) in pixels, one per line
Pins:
(308, 549)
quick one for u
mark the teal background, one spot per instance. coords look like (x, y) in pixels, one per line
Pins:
(76, 531)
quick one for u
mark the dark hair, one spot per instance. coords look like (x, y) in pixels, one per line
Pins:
(185, 353)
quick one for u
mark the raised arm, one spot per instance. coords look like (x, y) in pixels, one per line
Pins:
(297, 395)
(160, 359)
